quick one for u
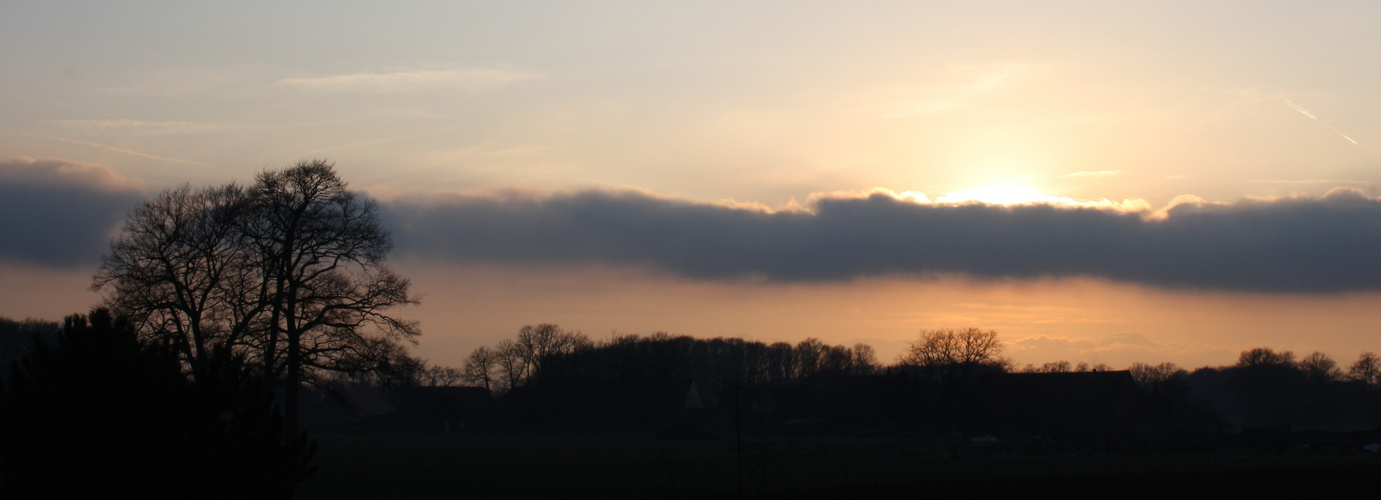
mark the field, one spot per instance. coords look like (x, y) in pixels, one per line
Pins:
(636, 466)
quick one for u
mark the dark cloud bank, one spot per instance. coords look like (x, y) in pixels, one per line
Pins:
(1330, 244)
(60, 214)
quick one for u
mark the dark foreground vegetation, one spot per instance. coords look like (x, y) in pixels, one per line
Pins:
(640, 466)
(93, 401)
(99, 413)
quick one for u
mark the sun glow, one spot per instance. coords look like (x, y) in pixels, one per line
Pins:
(1009, 194)
(997, 195)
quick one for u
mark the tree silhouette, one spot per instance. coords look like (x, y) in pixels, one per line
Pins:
(512, 364)
(288, 273)
(1367, 369)
(712, 362)
(443, 376)
(1265, 356)
(19, 337)
(182, 269)
(1060, 366)
(324, 250)
(1157, 378)
(1319, 367)
(946, 353)
(535, 344)
(481, 369)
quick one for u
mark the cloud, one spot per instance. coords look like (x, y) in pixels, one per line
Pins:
(1117, 341)
(60, 213)
(1312, 181)
(983, 89)
(1294, 244)
(1084, 174)
(130, 152)
(1120, 349)
(404, 81)
(182, 81)
(52, 172)
(150, 128)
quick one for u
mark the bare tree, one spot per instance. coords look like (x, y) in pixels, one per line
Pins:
(443, 376)
(1156, 377)
(1265, 356)
(932, 348)
(836, 359)
(1060, 366)
(977, 346)
(536, 343)
(1366, 369)
(512, 362)
(809, 353)
(781, 362)
(939, 353)
(1319, 367)
(288, 273)
(324, 250)
(180, 270)
(865, 359)
(373, 361)
(481, 369)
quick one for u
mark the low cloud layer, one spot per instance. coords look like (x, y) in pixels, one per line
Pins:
(1304, 245)
(404, 81)
(60, 213)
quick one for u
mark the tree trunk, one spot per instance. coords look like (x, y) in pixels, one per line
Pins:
(290, 386)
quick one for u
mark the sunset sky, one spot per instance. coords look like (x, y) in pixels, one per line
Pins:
(1097, 181)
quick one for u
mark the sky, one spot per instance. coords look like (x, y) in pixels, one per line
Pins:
(1097, 181)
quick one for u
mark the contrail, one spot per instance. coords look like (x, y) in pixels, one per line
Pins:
(1311, 116)
(129, 151)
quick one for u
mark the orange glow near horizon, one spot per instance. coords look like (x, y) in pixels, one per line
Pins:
(1020, 194)
(1039, 320)
(997, 194)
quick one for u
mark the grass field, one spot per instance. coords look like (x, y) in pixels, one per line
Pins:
(636, 466)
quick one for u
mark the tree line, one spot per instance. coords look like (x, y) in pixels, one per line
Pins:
(546, 352)
(18, 338)
(1264, 387)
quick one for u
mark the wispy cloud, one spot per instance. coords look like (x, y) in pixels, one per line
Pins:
(12, 94)
(1311, 181)
(1109, 348)
(1097, 174)
(1086, 345)
(215, 80)
(406, 81)
(130, 152)
(150, 128)
(983, 89)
